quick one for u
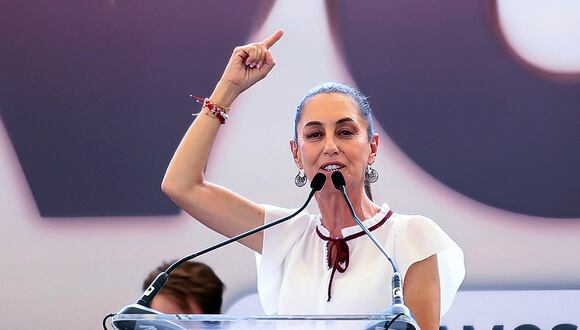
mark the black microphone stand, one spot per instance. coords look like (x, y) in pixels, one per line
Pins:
(141, 306)
(398, 306)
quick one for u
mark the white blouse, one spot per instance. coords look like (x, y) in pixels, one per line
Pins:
(293, 275)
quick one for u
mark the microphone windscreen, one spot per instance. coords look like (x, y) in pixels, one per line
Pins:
(318, 181)
(337, 179)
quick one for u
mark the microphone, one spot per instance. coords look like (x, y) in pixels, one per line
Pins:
(398, 303)
(141, 306)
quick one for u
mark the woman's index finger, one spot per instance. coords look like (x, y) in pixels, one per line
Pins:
(270, 41)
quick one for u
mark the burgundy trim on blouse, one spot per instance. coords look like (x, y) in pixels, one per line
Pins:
(342, 253)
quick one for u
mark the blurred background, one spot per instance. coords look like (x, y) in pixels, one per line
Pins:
(477, 105)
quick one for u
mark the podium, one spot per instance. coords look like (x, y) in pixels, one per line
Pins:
(280, 322)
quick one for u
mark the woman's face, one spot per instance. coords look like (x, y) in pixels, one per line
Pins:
(332, 136)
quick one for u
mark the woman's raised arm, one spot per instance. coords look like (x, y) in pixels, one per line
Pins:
(217, 207)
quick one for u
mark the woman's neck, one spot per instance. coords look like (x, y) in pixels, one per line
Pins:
(335, 213)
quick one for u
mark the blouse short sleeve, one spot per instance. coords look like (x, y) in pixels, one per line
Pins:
(418, 238)
(277, 243)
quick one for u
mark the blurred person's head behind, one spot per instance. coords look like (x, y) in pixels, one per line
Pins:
(192, 288)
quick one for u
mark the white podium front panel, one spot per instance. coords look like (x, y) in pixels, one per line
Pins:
(223, 322)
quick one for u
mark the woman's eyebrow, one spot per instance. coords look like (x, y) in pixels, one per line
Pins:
(313, 123)
(340, 121)
(345, 120)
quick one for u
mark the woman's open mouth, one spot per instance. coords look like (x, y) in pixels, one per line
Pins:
(332, 167)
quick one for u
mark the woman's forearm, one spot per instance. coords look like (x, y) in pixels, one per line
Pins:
(186, 169)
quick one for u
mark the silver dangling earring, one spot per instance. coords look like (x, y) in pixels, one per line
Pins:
(371, 175)
(300, 179)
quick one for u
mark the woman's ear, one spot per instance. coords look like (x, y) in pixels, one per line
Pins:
(296, 154)
(374, 148)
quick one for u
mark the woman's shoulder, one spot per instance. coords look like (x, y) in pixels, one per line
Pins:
(299, 223)
(273, 212)
(414, 223)
(419, 232)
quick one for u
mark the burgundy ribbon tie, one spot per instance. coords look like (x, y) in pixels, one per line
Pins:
(338, 253)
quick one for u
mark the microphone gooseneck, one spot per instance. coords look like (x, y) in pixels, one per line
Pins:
(398, 305)
(340, 184)
(145, 300)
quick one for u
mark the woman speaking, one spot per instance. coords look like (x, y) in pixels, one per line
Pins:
(318, 263)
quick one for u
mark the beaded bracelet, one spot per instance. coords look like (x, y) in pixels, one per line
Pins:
(220, 113)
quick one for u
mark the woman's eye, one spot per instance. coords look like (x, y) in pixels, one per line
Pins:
(345, 132)
(313, 135)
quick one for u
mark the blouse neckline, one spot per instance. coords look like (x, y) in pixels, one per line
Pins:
(347, 231)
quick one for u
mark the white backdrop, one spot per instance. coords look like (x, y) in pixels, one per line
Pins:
(69, 273)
